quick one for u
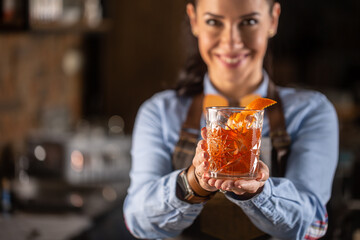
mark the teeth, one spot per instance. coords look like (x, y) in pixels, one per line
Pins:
(231, 60)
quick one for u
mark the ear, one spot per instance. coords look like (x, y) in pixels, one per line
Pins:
(276, 10)
(191, 12)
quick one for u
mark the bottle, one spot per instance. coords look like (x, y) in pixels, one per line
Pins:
(7, 175)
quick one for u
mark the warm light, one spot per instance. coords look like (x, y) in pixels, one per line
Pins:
(77, 161)
(116, 124)
(40, 153)
(76, 200)
(23, 177)
(109, 194)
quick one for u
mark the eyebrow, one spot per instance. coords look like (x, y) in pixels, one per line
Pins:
(243, 16)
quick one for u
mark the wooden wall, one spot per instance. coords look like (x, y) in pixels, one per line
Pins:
(34, 89)
(145, 48)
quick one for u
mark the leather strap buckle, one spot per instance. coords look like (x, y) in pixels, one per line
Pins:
(280, 139)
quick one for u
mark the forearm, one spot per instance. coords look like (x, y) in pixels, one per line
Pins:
(152, 210)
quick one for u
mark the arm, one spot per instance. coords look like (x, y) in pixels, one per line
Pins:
(287, 207)
(151, 208)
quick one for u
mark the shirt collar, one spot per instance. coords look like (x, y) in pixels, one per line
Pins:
(261, 90)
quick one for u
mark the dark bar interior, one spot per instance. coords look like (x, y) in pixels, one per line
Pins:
(74, 73)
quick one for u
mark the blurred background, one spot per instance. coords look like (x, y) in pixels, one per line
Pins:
(73, 74)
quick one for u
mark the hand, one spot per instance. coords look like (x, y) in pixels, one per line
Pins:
(201, 165)
(243, 187)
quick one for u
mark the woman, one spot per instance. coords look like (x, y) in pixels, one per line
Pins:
(232, 41)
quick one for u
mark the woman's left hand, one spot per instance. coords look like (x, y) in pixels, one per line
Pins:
(243, 187)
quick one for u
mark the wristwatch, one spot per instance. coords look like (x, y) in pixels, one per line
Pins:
(189, 189)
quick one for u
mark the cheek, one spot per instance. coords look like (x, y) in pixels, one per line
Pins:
(257, 42)
(206, 42)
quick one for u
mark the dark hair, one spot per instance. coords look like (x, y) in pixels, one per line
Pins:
(190, 80)
(194, 2)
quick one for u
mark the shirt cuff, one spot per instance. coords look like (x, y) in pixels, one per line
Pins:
(257, 200)
(175, 201)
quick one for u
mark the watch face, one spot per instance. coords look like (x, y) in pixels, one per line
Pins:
(185, 190)
(181, 187)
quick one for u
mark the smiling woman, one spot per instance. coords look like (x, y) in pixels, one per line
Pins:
(172, 193)
(232, 39)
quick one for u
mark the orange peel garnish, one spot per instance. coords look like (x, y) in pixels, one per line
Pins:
(260, 103)
(236, 120)
(211, 100)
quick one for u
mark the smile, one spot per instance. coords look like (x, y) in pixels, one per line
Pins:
(232, 61)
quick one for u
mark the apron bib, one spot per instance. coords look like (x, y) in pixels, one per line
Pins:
(220, 218)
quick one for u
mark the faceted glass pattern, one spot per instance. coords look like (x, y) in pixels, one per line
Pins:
(233, 139)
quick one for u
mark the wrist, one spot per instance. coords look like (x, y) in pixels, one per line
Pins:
(195, 184)
(245, 196)
(188, 188)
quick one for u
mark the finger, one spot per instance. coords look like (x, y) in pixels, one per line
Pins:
(201, 169)
(200, 157)
(227, 185)
(211, 182)
(199, 154)
(201, 146)
(238, 191)
(250, 186)
(218, 183)
(263, 173)
(261, 177)
(198, 172)
(204, 133)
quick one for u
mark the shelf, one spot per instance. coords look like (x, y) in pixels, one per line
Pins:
(103, 27)
(81, 28)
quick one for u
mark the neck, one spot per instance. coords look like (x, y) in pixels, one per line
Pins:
(235, 90)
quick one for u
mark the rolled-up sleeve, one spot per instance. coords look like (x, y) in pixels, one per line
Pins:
(151, 208)
(296, 204)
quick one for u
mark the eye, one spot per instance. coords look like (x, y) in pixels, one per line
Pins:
(249, 22)
(213, 22)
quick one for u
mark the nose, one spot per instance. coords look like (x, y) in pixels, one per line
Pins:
(231, 37)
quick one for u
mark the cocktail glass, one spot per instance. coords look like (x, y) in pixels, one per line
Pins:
(233, 139)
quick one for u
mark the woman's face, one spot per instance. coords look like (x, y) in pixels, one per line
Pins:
(232, 37)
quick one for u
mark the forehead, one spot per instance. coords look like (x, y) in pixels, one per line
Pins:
(232, 7)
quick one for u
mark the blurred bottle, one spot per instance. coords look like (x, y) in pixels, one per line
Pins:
(92, 12)
(7, 174)
(8, 10)
(13, 14)
(45, 11)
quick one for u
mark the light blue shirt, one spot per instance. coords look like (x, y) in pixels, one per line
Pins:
(284, 209)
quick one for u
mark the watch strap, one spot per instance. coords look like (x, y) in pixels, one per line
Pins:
(194, 183)
(186, 193)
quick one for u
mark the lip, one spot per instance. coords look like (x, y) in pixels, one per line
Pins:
(232, 60)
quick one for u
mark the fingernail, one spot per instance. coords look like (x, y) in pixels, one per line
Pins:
(206, 164)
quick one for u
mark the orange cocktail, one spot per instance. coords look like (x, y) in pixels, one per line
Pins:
(233, 138)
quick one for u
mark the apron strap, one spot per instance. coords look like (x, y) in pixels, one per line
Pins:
(280, 139)
(189, 134)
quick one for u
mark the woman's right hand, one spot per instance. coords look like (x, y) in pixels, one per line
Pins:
(201, 163)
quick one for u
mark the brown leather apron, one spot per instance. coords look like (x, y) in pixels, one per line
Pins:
(220, 218)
